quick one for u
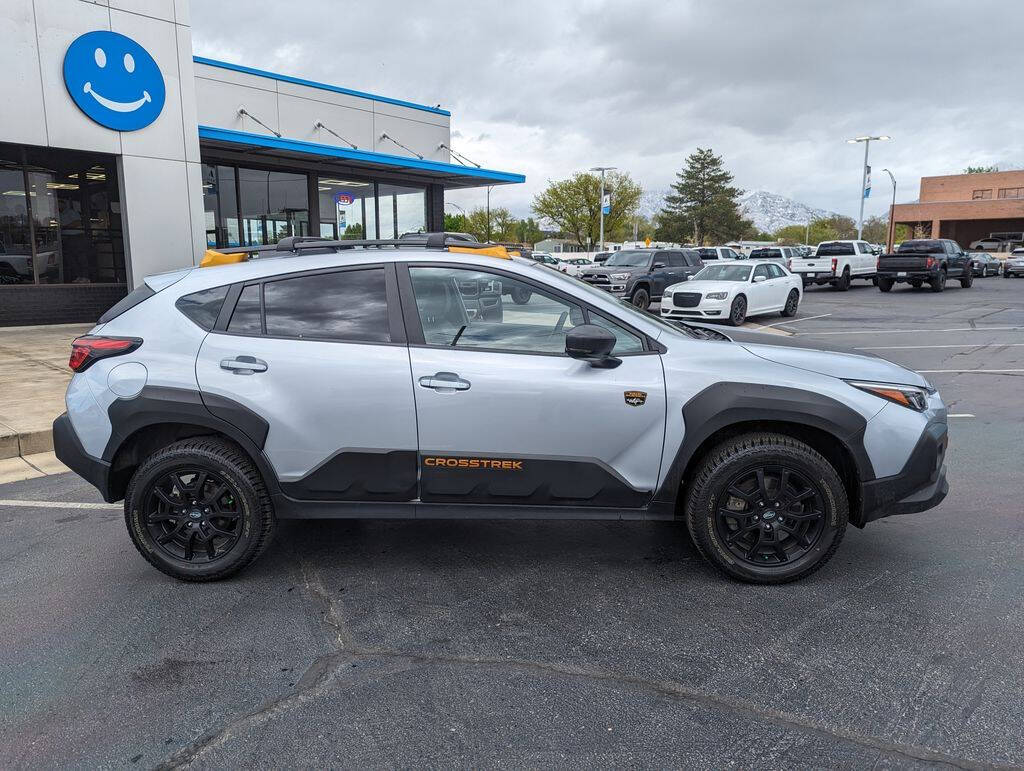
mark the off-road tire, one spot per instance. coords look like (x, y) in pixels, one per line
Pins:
(234, 466)
(938, 283)
(640, 299)
(885, 284)
(736, 455)
(967, 280)
(843, 283)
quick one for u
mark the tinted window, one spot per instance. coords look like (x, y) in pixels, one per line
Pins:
(920, 247)
(350, 305)
(767, 254)
(203, 307)
(692, 258)
(834, 249)
(125, 303)
(674, 259)
(707, 254)
(625, 341)
(245, 319)
(466, 308)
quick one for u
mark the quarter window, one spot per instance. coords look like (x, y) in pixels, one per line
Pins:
(625, 341)
(463, 308)
(346, 306)
(203, 307)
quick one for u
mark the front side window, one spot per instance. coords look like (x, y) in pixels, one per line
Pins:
(776, 271)
(673, 259)
(345, 306)
(761, 270)
(465, 308)
(625, 341)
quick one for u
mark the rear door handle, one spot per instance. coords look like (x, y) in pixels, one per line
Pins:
(243, 365)
(444, 381)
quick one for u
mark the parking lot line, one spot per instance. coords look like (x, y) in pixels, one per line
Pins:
(61, 505)
(905, 331)
(947, 345)
(796, 321)
(983, 371)
(960, 415)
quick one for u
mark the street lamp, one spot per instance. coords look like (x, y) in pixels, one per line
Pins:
(892, 213)
(864, 174)
(602, 169)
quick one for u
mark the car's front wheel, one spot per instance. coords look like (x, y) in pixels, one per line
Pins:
(766, 508)
(641, 299)
(738, 311)
(197, 510)
(967, 280)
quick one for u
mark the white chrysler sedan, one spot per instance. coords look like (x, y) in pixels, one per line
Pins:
(732, 291)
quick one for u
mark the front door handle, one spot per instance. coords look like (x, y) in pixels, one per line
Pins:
(444, 382)
(243, 365)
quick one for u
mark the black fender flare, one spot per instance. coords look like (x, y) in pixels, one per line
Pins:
(156, 405)
(727, 404)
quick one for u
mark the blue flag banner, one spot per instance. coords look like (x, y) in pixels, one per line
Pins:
(867, 183)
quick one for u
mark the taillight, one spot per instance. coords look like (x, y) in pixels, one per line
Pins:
(835, 264)
(930, 263)
(91, 348)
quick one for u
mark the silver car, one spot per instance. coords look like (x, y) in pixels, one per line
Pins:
(382, 379)
(1014, 265)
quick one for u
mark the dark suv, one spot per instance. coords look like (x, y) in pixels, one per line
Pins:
(641, 275)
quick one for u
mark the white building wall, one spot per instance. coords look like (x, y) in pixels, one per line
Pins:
(162, 212)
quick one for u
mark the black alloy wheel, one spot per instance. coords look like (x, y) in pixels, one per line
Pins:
(193, 515)
(738, 311)
(770, 515)
(792, 303)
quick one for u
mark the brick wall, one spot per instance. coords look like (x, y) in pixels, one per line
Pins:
(961, 187)
(56, 304)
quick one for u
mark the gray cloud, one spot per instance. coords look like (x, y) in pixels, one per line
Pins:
(775, 87)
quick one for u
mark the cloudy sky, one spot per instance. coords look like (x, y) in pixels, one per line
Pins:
(549, 88)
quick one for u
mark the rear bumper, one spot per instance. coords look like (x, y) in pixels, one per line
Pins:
(818, 277)
(69, 451)
(907, 275)
(921, 485)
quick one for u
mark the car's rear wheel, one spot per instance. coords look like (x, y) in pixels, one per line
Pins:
(843, 284)
(641, 299)
(738, 311)
(967, 280)
(939, 282)
(197, 510)
(884, 284)
(766, 508)
(792, 303)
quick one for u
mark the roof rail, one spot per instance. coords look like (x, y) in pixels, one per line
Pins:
(297, 244)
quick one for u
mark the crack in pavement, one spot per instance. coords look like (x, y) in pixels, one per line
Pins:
(327, 669)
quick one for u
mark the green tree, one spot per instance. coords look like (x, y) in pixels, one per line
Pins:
(454, 223)
(876, 229)
(573, 206)
(703, 207)
(527, 231)
(980, 169)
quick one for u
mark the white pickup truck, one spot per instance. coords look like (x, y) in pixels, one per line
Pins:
(836, 263)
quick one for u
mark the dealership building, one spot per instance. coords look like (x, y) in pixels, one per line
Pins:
(122, 155)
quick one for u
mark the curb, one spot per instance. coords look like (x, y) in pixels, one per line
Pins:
(21, 443)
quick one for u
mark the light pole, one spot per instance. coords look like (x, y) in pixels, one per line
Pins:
(864, 174)
(892, 213)
(602, 169)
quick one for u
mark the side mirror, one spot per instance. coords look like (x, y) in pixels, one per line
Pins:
(592, 344)
(759, 279)
(659, 265)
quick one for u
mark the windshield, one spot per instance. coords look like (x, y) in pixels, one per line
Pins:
(834, 249)
(630, 259)
(723, 272)
(920, 247)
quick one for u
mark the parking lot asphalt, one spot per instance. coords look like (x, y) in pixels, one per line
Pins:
(520, 644)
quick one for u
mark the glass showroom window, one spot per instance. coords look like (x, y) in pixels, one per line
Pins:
(60, 218)
(402, 210)
(274, 204)
(220, 201)
(348, 208)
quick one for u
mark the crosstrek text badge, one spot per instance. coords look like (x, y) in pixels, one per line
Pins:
(635, 398)
(489, 463)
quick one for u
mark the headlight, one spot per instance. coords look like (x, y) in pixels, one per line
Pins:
(619, 276)
(908, 396)
(716, 295)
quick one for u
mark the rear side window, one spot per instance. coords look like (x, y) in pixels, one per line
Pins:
(349, 306)
(126, 303)
(203, 307)
(245, 319)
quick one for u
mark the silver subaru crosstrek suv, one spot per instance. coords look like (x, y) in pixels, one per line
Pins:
(389, 379)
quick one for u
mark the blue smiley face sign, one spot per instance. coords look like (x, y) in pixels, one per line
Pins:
(114, 80)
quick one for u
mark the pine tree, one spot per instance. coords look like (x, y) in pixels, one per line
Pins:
(703, 207)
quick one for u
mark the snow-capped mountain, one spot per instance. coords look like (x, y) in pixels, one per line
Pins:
(770, 211)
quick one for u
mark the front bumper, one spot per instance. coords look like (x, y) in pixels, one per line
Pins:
(919, 486)
(69, 451)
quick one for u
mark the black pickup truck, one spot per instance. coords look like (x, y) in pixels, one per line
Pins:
(926, 260)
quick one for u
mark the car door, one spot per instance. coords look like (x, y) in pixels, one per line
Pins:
(316, 363)
(666, 269)
(779, 285)
(506, 418)
(760, 290)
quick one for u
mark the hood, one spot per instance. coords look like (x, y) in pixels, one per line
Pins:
(834, 361)
(605, 270)
(704, 286)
